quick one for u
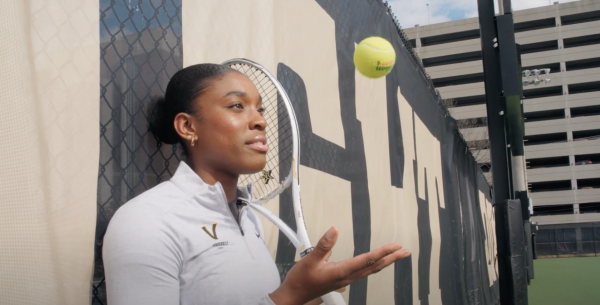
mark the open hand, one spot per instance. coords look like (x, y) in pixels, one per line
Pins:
(313, 276)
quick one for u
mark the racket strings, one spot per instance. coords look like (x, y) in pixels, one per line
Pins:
(278, 132)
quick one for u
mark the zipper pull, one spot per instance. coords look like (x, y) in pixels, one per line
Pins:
(241, 214)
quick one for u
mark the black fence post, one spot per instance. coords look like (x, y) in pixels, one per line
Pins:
(499, 153)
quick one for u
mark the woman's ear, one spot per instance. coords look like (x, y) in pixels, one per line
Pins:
(185, 126)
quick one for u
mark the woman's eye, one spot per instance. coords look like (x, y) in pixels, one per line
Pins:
(261, 110)
(237, 105)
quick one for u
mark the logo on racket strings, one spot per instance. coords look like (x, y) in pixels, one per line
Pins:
(266, 176)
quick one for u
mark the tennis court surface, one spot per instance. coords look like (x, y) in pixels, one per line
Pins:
(562, 281)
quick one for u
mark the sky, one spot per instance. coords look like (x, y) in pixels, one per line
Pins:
(411, 12)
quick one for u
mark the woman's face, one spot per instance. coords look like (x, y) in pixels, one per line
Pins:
(231, 129)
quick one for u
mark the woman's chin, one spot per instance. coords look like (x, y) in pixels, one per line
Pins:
(253, 168)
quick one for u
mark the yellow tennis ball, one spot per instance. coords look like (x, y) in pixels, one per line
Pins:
(374, 57)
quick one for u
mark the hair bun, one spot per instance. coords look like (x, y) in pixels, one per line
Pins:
(159, 124)
(183, 88)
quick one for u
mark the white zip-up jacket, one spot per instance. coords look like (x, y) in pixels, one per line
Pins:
(178, 243)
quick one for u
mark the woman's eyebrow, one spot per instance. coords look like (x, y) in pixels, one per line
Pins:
(241, 94)
(236, 93)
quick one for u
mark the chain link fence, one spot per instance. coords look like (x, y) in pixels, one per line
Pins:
(568, 240)
(140, 50)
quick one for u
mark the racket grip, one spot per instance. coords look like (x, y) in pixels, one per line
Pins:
(333, 298)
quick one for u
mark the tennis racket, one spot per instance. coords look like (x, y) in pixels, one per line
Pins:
(282, 168)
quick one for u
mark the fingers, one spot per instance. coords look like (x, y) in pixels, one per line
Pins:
(380, 264)
(327, 256)
(325, 244)
(370, 259)
(372, 262)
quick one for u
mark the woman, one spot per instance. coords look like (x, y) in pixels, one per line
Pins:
(193, 240)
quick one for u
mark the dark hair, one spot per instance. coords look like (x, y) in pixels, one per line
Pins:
(186, 85)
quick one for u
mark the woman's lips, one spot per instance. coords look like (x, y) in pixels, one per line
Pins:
(259, 143)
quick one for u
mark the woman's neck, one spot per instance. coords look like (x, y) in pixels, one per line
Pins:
(211, 176)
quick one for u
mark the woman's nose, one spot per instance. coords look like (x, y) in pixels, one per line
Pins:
(258, 121)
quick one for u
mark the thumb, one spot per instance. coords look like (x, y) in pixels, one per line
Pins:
(326, 243)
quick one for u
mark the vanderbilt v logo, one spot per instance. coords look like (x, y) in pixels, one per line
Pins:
(214, 231)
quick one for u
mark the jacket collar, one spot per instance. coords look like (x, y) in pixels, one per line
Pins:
(189, 182)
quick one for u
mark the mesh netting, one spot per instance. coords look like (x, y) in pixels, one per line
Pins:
(568, 240)
(140, 51)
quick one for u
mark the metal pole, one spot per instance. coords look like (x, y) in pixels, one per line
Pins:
(507, 6)
(512, 93)
(497, 137)
(428, 17)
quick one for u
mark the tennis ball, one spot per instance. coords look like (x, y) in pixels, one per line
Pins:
(374, 57)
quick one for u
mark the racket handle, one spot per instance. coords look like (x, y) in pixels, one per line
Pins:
(333, 298)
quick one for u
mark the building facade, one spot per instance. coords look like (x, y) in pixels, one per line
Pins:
(562, 118)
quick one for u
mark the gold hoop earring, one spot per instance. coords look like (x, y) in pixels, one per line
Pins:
(193, 140)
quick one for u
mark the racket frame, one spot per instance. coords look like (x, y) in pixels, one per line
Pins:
(300, 239)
